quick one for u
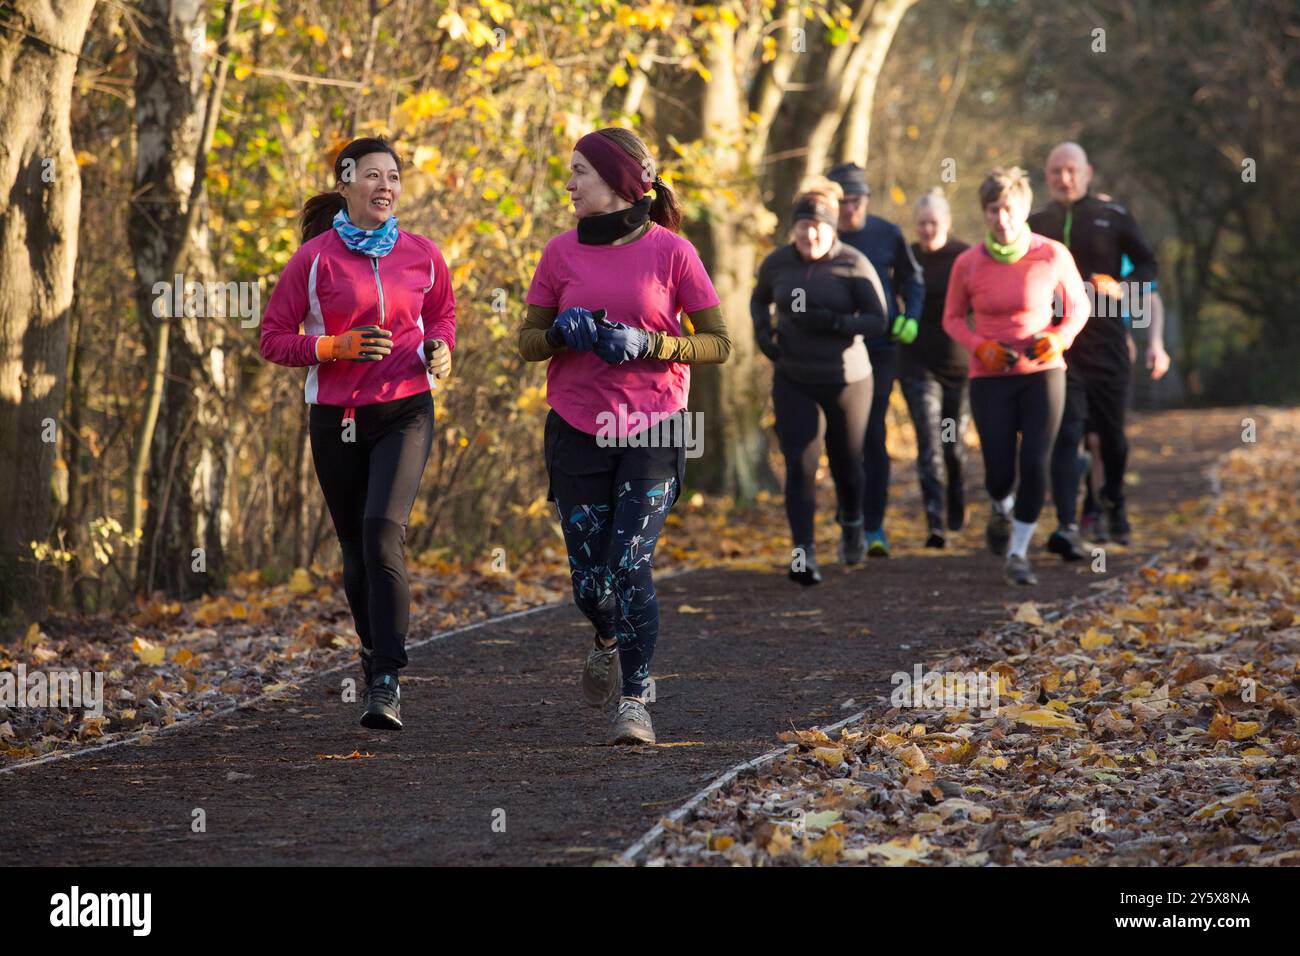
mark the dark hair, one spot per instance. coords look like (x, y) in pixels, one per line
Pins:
(319, 211)
(664, 208)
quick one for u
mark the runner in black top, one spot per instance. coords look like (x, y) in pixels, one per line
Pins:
(933, 376)
(1098, 234)
(827, 297)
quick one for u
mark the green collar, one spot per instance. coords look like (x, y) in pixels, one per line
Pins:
(1010, 252)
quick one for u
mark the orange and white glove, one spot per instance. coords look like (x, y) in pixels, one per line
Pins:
(365, 343)
(1107, 286)
(1045, 347)
(439, 357)
(996, 356)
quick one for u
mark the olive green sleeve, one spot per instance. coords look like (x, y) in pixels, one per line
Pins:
(532, 335)
(708, 343)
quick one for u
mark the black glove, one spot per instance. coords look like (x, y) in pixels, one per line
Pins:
(816, 320)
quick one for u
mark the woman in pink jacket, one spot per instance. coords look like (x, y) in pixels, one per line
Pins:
(379, 326)
(1015, 282)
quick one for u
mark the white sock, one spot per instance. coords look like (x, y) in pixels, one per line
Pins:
(1005, 505)
(1022, 532)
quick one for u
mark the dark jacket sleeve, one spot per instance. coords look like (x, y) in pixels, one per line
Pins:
(1134, 245)
(760, 305)
(909, 280)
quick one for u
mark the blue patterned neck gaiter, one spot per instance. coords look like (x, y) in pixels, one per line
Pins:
(369, 242)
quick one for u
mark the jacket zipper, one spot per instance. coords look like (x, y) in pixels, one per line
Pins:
(380, 286)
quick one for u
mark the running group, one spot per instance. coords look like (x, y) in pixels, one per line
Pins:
(621, 307)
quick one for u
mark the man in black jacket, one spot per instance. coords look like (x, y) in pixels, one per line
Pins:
(1099, 233)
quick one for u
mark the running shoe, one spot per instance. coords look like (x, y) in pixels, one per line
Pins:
(998, 532)
(632, 723)
(853, 544)
(1018, 571)
(809, 575)
(936, 538)
(1067, 542)
(383, 704)
(1093, 528)
(602, 675)
(1117, 521)
(877, 544)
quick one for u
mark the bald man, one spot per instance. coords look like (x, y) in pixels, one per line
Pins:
(1099, 233)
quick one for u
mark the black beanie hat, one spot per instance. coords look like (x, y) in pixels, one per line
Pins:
(816, 207)
(851, 177)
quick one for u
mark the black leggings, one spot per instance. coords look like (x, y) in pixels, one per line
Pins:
(370, 473)
(804, 415)
(1093, 402)
(884, 369)
(1030, 405)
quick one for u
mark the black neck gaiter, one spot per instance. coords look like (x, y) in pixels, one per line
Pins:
(603, 229)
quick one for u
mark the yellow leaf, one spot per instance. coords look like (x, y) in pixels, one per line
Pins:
(1027, 613)
(300, 582)
(148, 652)
(317, 34)
(1244, 729)
(720, 842)
(898, 196)
(827, 849)
(831, 756)
(1042, 717)
(1095, 639)
(690, 609)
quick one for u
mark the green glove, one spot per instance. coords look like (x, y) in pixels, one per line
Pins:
(904, 330)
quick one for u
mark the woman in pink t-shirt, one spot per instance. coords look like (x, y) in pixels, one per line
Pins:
(1014, 283)
(605, 308)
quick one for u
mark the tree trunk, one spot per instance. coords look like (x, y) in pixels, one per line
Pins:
(183, 454)
(40, 203)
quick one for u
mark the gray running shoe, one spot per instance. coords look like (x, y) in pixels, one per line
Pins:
(1068, 543)
(601, 676)
(383, 704)
(1018, 570)
(998, 532)
(632, 723)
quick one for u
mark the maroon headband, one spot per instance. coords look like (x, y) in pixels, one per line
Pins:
(621, 172)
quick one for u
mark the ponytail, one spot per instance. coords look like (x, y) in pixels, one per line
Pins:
(319, 212)
(665, 208)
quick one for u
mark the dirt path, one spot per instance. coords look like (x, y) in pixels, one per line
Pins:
(493, 722)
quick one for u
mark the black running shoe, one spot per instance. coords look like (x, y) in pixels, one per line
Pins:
(1068, 543)
(383, 704)
(936, 539)
(1117, 521)
(998, 532)
(853, 543)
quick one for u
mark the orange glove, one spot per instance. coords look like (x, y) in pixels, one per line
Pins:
(996, 356)
(1046, 347)
(365, 343)
(1107, 285)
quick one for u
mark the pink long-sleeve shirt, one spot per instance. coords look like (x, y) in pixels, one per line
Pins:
(1013, 302)
(328, 289)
